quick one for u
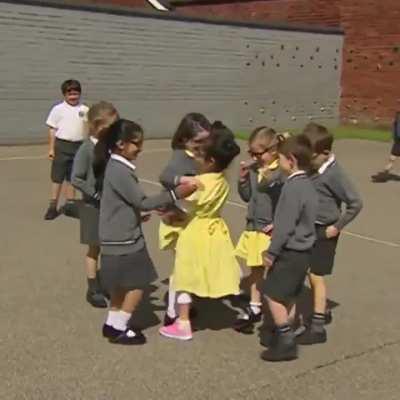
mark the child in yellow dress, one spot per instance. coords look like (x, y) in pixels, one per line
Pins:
(191, 133)
(259, 185)
(205, 263)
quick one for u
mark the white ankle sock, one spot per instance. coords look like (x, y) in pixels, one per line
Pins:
(255, 307)
(112, 318)
(122, 321)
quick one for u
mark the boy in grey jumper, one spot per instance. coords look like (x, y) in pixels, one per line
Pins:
(288, 256)
(334, 189)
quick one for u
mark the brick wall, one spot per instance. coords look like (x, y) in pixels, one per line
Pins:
(371, 59)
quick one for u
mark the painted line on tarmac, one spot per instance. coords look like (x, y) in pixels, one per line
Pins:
(348, 233)
(232, 203)
(17, 158)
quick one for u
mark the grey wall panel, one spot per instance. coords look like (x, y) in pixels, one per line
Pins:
(155, 70)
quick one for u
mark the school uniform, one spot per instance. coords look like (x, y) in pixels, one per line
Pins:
(182, 163)
(292, 240)
(84, 180)
(125, 261)
(262, 197)
(333, 188)
(69, 123)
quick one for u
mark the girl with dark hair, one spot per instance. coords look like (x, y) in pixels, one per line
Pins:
(205, 264)
(126, 267)
(192, 132)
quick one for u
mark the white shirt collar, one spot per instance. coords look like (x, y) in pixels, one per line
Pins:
(300, 172)
(93, 140)
(123, 161)
(327, 164)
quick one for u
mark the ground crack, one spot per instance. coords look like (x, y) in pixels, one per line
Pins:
(300, 375)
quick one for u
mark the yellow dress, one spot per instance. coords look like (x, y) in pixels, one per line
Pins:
(168, 233)
(252, 244)
(205, 263)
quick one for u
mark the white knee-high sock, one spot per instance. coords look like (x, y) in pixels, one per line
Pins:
(171, 310)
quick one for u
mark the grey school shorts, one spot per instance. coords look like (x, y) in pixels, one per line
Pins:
(64, 154)
(285, 280)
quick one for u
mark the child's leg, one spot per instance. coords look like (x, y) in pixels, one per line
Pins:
(92, 257)
(181, 328)
(171, 310)
(55, 192)
(253, 314)
(319, 293)
(279, 312)
(69, 191)
(315, 331)
(123, 303)
(291, 313)
(257, 274)
(389, 165)
(52, 211)
(283, 347)
(94, 294)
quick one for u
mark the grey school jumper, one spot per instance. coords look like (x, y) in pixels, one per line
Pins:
(262, 198)
(294, 221)
(82, 172)
(180, 164)
(334, 189)
(122, 201)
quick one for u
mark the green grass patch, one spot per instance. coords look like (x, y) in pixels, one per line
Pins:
(349, 132)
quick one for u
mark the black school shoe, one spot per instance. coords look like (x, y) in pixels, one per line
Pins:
(380, 177)
(51, 213)
(310, 337)
(245, 323)
(96, 299)
(110, 332)
(280, 350)
(130, 337)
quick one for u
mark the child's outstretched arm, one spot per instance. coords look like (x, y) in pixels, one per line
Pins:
(130, 190)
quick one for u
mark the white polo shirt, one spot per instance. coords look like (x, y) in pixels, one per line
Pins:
(68, 121)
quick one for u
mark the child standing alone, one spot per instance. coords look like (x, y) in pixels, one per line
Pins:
(259, 185)
(100, 117)
(67, 129)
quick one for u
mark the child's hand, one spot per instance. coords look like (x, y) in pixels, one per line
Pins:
(331, 232)
(51, 154)
(268, 260)
(145, 216)
(185, 190)
(190, 180)
(244, 170)
(268, 229)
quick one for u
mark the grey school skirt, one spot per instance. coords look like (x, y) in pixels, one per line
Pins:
(89, 216)
(127, 272)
